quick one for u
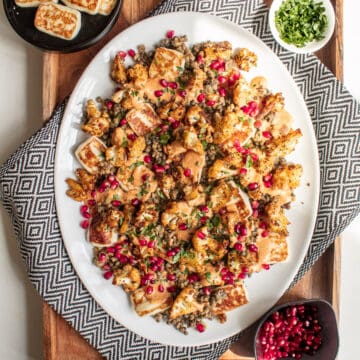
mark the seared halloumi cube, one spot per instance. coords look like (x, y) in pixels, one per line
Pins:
(88, 6)
(32, 3)
(151, 304)
(186, 303)
(167, 64)
(107, 6)
(58, 20)
(143, 119)
(91, 153)
(235, 296)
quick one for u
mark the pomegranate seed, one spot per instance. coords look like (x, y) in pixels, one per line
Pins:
(253, 248)
(116, 203)
(267, 184)
(144, 177)
(143, 242)
(101, 257)
(161, 288)
(84, 224)
(199, 59)
(201, 235)
(253, 186)
(210, 103)
(173, 85)
(158, 93)
(257, 124)
(83, 209)
(187, 172)
(171, 289)
(144, 281)
(131, 137)
(204, 209)
(222, 211)
(93, 194)
(170, 34)
(123, 259)
(121, 54)
(204, 219)
(108, 275)
(200, 327)
(171, 277)
(151, 244)
(182, 93)
(159, 169)
(223, 271)
(110, 250)
(182, 226)
(265, 266)
(123, 122)
(147, 159)
(193, 278)
(175, 124)
(263, 225)
(131, 52)
(265, 233)
(200, 98)
(222, 92)
(266, 134)
(106, 267)
(242, 276)
(238, 247)
(243, 171)
(206, 290)
(135, 202)
(170, 253)
(149, 290)
(235, 76)
(222, 79)
(245, 269)
(109, 104)
(215, 65)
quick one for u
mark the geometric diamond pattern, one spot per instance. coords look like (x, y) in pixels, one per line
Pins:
(27, 193)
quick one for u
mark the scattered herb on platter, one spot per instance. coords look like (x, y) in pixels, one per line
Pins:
(300, 22)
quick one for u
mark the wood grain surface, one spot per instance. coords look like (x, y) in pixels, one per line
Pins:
(60, 74)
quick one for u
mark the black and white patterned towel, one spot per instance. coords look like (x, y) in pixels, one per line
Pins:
(27, 192)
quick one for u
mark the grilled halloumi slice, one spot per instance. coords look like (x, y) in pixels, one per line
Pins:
(90, 153)
(167, 64)
(151, 304)
(107, 6)
(32, 3)
(88, 6)
(186, 303)
(143, 119)
(57, 20)
(235, 296)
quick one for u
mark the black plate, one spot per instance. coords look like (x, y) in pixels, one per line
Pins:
(93, 28)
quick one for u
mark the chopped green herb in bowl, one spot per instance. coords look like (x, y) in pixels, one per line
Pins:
(302, 25)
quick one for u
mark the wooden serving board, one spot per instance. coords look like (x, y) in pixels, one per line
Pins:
(60, 74)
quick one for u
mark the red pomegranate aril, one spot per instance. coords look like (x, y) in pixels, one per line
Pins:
(182, 226)
(123, 259)
(170, 253)
(170, 34)
(83, 208)
(263, 225)
(109, 104)
(101, 257)
(253, 186)
(159, 169)
(108, 274)
(206, 290)
(210, 103)
(147, 159)
(121, 54)
(182, 93)
(222, 211)
(173, 85)
(222, 92)
(110, 249)
(199, 59)
(265, 266)
(204, 209)
(200, 98)
(253, 248)
(215, 65)
(123, 122)
(93, 194)
(158, 93)
(171, 289)
(135, 202)
(149, 290)
(143, 242)
(242, 276)
(193, 278)
(154, 267)
(144, 281)
(151, 244)
(243, 171)
(265, 233)
(222, 79)
(161, 288)
(175, 124)
(116, 203)
(223, 271)
(131, 137)
(84, 224)
(187, 172)
(171, 277)
(267, 134)
(204, 219)
(131, 52)
(238, 247)
(200, 327)
(201, 235)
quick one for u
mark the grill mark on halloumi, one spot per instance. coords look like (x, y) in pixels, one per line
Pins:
(57, 20)
(90, 154)
(107, 6)
(88, 6)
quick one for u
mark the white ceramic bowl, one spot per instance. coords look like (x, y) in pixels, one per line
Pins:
(314, 45)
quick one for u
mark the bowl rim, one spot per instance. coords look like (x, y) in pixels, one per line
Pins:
(292, 303)
(314, 45)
